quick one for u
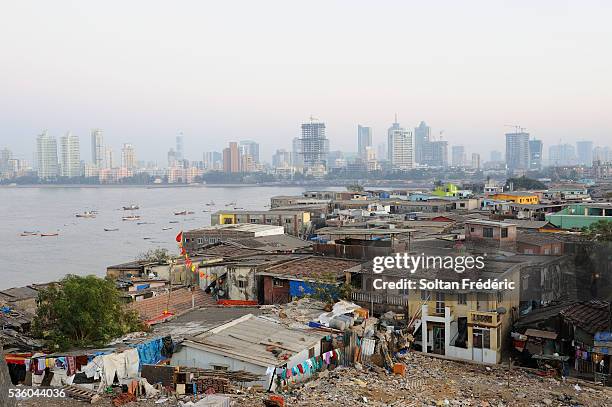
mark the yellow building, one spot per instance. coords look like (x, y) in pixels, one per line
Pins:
(517, 197)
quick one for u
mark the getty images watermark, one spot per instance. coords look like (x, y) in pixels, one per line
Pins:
(459, 264)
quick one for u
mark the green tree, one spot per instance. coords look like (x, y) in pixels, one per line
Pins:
(82, 312)
(524, 183)
(158, 255)
(600, 231)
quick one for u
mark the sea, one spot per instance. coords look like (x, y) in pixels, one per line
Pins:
(83, 247)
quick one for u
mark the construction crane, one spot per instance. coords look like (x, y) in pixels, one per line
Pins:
(517, 127)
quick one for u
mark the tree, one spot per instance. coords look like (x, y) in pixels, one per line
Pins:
(82, 312)
(524, 183)
(600, 231)
(158, 255)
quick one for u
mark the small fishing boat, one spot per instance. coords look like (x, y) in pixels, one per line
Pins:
(29, 234)
(48, 234)
(147, 238)
(86, 214)
(206, 210)
(111, 229)
(184, 213)
(131, 217)
(233, 203)
(238, 207)
(166, 228)
(211, 203)
(131, 207)
(174, 221)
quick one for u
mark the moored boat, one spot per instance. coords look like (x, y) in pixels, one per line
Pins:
(86, 214)
(48, 234)
(131, 217)
(132, 207)
(181, 213)
(111, 229)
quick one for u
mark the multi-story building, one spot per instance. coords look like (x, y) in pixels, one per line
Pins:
(46, 156)
(295, 222)
(535, 155)
(364, 140)
(109, 158)
(496, 156)
(421, 143)
(180, 147)
(602, 154)
(250, 147)
(97, 148)
(562, 154)
(436, 153)
(281, 159)
(458, 156)
(297, 156)
(5, 156)
(231, 158)
(400, 147)
(476, 161)
(315, 145)
(585, 152)
(578, 216)
(518, 197)
(70, 152)
(128, 157)
(517, 151)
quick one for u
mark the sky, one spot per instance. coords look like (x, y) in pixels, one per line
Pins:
(223, 71)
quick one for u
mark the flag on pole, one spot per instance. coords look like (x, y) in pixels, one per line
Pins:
(179, 237)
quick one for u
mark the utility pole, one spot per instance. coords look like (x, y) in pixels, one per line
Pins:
(170, 285)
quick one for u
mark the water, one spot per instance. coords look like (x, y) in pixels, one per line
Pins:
(83, 247)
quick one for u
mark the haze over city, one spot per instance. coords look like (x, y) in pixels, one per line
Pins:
(144, 71)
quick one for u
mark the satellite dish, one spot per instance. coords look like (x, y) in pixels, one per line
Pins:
(501, 310)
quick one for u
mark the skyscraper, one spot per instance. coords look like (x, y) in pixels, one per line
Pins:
(282, 158)
(297, 156)
(128, 156)
(476, 161)
(400, 144)
(315, 145)
(496, 156)
(250, 147)
(97, 148)
(422, 148)
(109, 158)
(585, 152)
(562, 154)
(231, 158)
(437, 154)
(535, 155)
(179, 153)
(364, 140)
(70, 152)
(46, 156)
(458, 156)
(517, 151)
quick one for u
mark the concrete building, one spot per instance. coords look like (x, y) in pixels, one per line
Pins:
(295, 222)
(281, 159)
(496, 156)
(128, 156)
(70, 152)
(485, 233)
(315, 145)
(476, 161)
(561, 155)
(231, 158)
(364, 140)
(179, 154)
(400, 144)
(517, 151)
(535, 155)
(196, 238)
(46, 156)
(458, 156)
(517, 197)
(436, 153)
(421, 143)
(97, 148)
(581, 215)
(251, 148)
(297, 153)
(585, 152)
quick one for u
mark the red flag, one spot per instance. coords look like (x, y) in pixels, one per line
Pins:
(179, 237)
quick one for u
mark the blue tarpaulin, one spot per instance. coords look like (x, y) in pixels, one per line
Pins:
(302, 288)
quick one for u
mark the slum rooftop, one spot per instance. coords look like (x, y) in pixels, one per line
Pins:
(312, 267)
(240, 227)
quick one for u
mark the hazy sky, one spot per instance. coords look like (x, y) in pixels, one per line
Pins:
(231, 70)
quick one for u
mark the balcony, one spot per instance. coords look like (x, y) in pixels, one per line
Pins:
(379, 298)
(483, 318)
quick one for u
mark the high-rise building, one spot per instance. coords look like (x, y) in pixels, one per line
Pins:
(585, 152)
(381, 151)
(297, 156)
(128, 156)
(476, 161)
(281, 159)
(172, 158)
(437, 153)
(250, 147)
(422, 148)
(70, 152)
(517, 151)
(496, 156)
(46, 156)
(364, 140)
(602, 154)
(535, 155)
(179, 153)
(400, 145)
(97, 148)
(561, 154)
(109, 158)
(5, 156)
(458, 156)
(231, 158)
(315, 145)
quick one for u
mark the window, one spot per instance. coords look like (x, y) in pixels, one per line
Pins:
(311, 353)
(557, 250)
(500, 297)
(462, 298)
(439, 303)
(546, 250)
(472, 230)
(277, 283)
(487, 232)
(242, 284)
(486, 339)
(288, 220)
(268, 220)
(504, 232)
(220, 367)
(254, 221)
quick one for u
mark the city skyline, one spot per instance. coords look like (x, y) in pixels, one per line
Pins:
(145, 80)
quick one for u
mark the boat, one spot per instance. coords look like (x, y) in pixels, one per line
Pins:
(147, 238)
(173, 221)
(181, 213)
(206, 210)
(145, 223)
(238, 207)
(233, 203)
(111, 229)
(131, 207)
(166, 228)
(86, 214)
(211, 203)
(29, 234)
(48, 234)
(131, 217)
